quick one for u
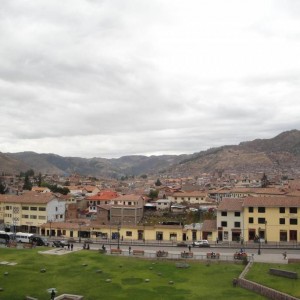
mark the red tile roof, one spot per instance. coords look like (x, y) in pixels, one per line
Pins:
(28, 197)
(231, 204)
(272, 201)
(102, 196)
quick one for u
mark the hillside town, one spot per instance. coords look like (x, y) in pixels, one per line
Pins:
(216, 207)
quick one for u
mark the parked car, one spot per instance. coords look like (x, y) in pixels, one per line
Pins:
(201, 243)
(182, 244)
(38, 240)
(60, 244)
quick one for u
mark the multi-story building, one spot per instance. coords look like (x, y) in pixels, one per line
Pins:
(29, 210)
(127, 209)
(230, 221)
(272, 218)
(101, 198)
(195, 197)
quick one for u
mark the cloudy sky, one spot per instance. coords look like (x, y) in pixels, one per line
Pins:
(108, 78)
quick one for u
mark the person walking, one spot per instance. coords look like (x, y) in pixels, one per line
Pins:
(129, 250)
(284, 255)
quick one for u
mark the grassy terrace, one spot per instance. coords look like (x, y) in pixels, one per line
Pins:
(260, 273)
(86, 273)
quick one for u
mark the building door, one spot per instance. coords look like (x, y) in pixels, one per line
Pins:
(184, 236)
(293, 235)
(140, 234)
(194, 235)
(283, 236)
(251, 234)
(159, 236)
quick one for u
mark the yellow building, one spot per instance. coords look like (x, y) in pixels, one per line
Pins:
(156, 233)
(27, 211)
(274, 219)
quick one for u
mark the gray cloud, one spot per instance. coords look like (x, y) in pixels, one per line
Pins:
(111, 78)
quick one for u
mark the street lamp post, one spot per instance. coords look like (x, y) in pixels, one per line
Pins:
(119, 236)
(266, 241)
(259, 243)
(79, 233)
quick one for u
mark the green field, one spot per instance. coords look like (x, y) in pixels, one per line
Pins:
(260, 273)
(86, 273)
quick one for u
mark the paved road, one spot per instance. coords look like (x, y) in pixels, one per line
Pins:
(268, 255)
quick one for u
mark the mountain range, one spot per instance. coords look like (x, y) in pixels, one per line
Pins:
(278, 154)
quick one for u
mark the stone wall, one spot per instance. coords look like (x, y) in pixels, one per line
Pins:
(263, 290)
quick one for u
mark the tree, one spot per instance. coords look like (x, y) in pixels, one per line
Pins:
(27, 184)
(158, 183)
(56, 189)
(153, 194)
(2, 188)
(264, 181)
(40, 180)
(144, 176)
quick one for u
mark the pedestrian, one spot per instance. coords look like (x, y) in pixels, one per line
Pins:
(71, 247)
(284, 255)
(68, 246)
(217, 240)
(190, 248)
(129, 249)
(52, 294)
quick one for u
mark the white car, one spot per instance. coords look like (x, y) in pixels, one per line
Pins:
(201, 243)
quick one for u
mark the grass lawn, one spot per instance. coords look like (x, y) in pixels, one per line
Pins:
(85, 273)
(260, 273)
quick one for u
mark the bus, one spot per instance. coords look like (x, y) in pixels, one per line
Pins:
(6, 237)
(23, 237)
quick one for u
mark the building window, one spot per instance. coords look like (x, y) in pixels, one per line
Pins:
(42, 208)
(8, 207)
(237, 224)
(293, 210)
(293, 222)
(261, 209)
(250, 220)
(25, 208)
(281, 210)
(282, 221)
(224, 224)
(128, 233)
(33, 217)
(261, 220)
(237, 214)
(225, 235)
(25, 216)
(42, 218)
(224, 213)
(33, 208)
(250, 209)
(173, 236)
